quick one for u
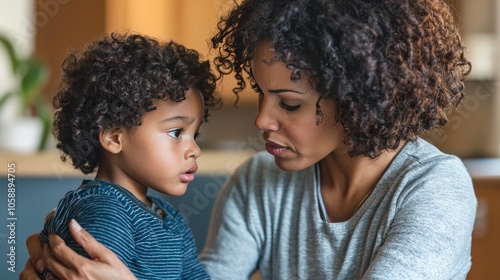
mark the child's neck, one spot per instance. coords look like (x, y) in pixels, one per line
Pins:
(126, 182)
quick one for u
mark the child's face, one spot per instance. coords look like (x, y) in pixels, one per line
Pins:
(161, 153)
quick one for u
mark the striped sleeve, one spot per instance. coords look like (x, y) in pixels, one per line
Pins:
(103, 216)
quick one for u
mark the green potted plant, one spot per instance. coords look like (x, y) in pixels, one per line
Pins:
(28, 129)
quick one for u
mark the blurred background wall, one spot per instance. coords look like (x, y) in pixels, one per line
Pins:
(48, 28)
(474, 130)
(51, 27)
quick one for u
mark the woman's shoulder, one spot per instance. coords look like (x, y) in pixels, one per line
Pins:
(423, 157)
(422, 166)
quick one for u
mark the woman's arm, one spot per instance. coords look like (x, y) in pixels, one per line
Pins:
(231, 249)
(64, 263)
(430, 235)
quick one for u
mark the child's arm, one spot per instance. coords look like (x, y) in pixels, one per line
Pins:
(64, 263)
(103, 216)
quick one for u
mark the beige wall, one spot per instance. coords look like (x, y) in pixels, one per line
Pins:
(15, 23)
(189, 22)
(474, 131)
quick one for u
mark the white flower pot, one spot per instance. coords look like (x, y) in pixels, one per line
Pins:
(21, 135)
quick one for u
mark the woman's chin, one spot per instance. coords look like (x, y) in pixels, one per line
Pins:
(290, 165)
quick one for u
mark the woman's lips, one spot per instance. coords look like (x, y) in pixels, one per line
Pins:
(275, 149)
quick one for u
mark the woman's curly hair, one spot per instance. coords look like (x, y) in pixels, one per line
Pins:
(114, 82)
(393, 68)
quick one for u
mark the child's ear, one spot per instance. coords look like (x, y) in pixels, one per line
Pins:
(111, 140)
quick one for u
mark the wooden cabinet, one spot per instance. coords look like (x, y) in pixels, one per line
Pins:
(63, 25)
(486, 236)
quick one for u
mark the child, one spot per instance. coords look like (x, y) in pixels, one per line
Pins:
(131, 108)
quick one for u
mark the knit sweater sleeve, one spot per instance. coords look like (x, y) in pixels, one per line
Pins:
(232, 250)
(431, 229)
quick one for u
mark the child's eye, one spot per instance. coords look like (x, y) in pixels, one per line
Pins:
(289, 107)
(176, 133)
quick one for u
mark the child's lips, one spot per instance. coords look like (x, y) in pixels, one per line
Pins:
(193, 169)
(188, 176)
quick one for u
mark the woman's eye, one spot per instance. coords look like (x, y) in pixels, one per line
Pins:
(289, 107)
(176, 133)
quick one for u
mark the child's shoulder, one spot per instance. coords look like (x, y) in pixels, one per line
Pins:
(91, 190)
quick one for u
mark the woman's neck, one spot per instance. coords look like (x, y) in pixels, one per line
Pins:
(346, 182)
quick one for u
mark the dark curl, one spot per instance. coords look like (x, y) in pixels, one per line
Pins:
(114, 82)
(393, 68)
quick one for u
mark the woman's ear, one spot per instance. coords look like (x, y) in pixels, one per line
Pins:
(111, 140)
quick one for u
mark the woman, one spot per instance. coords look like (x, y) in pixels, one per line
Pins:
(347, 189)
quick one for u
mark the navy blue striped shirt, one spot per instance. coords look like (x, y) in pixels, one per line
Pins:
(152, 247)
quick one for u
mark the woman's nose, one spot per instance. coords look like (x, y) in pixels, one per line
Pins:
(266, 118)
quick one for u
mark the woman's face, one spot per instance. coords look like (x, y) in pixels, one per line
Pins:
(287, 115)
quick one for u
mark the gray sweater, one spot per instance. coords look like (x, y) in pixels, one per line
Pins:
(416, 224)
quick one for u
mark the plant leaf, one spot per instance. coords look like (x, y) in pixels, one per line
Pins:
(45, 113)
(6, 97)
(14, 60)
(33, 78)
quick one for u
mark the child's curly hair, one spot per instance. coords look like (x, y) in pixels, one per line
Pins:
(394, 68)
(114, 82)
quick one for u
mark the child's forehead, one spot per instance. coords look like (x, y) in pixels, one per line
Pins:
(192, 103)
(190, 95)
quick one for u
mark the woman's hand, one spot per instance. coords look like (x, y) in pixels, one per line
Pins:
(35, 261)
(64, 263)
(35, 250)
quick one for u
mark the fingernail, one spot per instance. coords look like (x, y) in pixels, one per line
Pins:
(76, 226)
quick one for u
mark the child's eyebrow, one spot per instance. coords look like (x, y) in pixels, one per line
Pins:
(186, 119)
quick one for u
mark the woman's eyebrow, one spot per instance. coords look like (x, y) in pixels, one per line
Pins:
(277, 91)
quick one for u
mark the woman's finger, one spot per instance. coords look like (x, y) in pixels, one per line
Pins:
(65, 263)
(60, 259)
(35, 250)
(28, 272)
(60, 254)
(89, 244)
